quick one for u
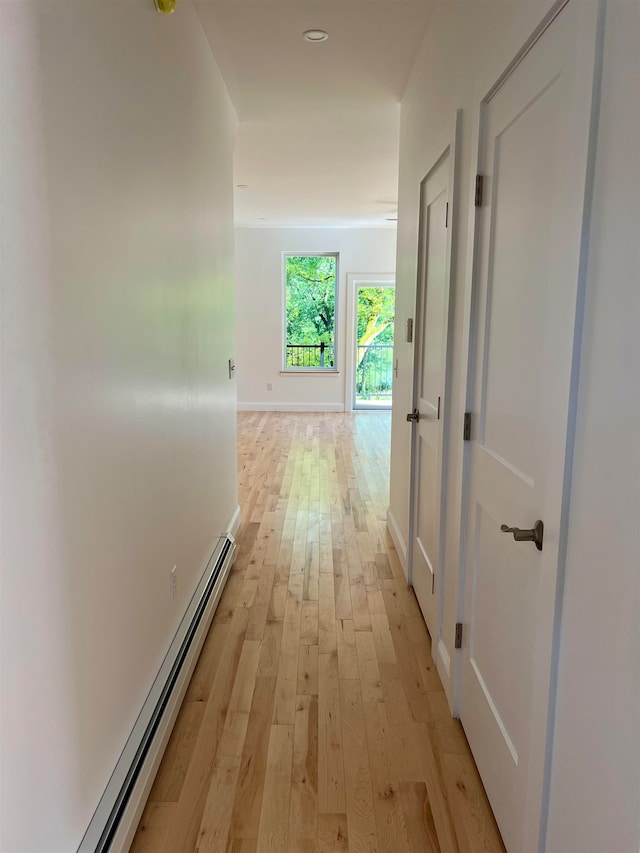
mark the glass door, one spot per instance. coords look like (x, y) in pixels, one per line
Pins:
(375, 309)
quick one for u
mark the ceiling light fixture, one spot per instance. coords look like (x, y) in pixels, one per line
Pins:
(315, 35)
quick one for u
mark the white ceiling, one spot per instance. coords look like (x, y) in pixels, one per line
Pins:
(319, 123)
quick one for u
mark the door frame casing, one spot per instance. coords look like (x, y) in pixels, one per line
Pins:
(535, 829)
(451, 150)
(355, 280)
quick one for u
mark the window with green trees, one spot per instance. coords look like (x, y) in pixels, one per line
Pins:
(310, 306)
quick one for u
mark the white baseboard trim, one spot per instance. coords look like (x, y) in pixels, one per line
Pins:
(443, 665)
(234, 524)
(398, 541)
(291, 407)
(443, 661)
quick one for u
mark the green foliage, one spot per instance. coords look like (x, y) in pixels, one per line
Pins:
(376, 309)
(310, 296)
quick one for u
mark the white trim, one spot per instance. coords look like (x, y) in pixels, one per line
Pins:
(234, 523)
(443, 662)
(290, 407)
(398, 540)
(309, 371)
(384, 279)
(466, 390)
(320, 226)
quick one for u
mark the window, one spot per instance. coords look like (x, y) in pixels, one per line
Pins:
(310, 284)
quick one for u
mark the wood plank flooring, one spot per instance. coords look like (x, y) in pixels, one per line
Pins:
(315, 719)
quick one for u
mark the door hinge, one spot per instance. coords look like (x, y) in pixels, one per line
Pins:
(478, 195)
(438, 418)
(466, 427)
(458, 642)
(410, 330)
(433, 584)
(446, 216)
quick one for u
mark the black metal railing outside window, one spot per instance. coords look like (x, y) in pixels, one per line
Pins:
(310, 355)
(374, 373)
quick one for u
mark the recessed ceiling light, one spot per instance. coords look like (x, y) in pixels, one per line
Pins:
(242, 186)
(315, 35)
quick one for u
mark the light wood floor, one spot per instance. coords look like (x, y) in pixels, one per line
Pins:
(315, 719)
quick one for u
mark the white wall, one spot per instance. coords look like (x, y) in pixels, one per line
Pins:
(118, 419)
(259, 310)
(595, 786)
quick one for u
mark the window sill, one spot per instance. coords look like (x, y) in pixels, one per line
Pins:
(306, 371)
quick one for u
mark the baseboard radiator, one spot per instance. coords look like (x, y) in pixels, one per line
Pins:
(115, 820)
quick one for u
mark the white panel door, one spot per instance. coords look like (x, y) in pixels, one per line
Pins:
(430, 372)
(534, 146)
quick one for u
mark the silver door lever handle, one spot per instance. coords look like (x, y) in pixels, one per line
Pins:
(413, 416)
(534, 535)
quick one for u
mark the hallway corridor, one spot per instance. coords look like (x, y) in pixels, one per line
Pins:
(315, 719)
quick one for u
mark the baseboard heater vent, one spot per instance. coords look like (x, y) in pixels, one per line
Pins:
(116, 817)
